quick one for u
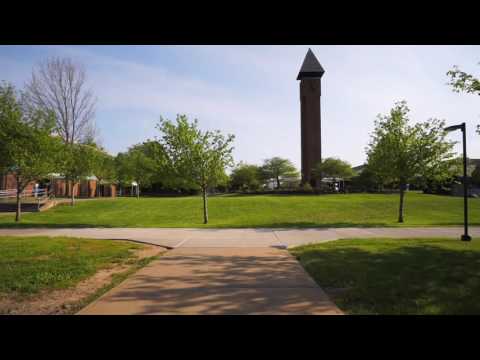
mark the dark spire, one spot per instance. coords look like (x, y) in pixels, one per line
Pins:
(311, 68)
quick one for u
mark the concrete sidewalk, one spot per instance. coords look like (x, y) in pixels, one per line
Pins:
(243, 238)
(224, 271)
(217, 281)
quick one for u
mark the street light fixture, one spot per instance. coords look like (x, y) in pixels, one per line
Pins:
(465, 236)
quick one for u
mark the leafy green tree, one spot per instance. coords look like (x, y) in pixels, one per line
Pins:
(194, 156)
(366, 180)
(136, 166)
(443, 185)
(27, 149)
(78, 162)
(476, 176)
(277, 169)
(223, 183)
(162, 168)
(333, 168)
(245, 177)
(122, 169)
(464, 82)
(105, 169)
(400, 152)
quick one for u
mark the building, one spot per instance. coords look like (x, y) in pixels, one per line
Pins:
(474, 187)
(358, 169)
(8, 182)
(286, 183)
(87, 188)
(310, 76)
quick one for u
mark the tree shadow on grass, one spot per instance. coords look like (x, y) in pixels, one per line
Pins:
(420, 279)
(26, 225)
(212, 226)
(295, 225)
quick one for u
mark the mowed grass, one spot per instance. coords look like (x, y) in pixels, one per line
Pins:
(29, 265)
(397, 276)
(339, 210)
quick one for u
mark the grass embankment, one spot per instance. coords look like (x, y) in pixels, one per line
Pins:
(397, 276)
(30, 265)
(339, 210)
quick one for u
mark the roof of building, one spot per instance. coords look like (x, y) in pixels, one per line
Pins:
(358, 169)
(60, 176)
(311, 67)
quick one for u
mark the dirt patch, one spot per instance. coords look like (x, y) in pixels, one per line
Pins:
(60, 302)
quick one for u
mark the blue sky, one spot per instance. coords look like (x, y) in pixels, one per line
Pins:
(252, 92)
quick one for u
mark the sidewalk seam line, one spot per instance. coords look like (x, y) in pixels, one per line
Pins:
(181, 243)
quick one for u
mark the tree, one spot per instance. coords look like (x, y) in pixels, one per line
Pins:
(464, 82)
(245, 177)
(27, 149)
(59, 86)
(476, 176)
(366, 180)
(105, 170)
(136, 166)
(79, 162)
(122, 169)
(194, 156)
(277, 168)
(333, 168)
(223, 182)
(160, 167)
(453, 173)
(399, 152)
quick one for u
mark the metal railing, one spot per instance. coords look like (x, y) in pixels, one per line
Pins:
(9, 193)
(38, 196)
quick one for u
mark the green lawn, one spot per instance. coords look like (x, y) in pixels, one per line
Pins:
(397, 276)
(256, 211)
(29, 265)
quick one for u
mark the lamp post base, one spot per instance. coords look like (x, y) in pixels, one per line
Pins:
(466, 238)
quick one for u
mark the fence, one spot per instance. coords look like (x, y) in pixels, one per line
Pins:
(36, 196)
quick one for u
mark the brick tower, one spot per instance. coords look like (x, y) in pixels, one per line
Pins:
(310, 76)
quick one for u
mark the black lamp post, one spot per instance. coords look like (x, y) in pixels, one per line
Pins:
(465, 236)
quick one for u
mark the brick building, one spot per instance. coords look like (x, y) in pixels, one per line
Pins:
(87, 188)
(8, 182)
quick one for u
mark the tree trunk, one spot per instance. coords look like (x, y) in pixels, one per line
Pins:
(205, 208)
(18, 214)
(400, 210)
(138, 190)
(278, 182)
(72, 202)
(68, 185)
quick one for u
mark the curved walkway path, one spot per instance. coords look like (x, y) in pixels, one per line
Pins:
(243, 238)
(224, 271)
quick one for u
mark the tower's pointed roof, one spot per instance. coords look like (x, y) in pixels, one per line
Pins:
(310, 67)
